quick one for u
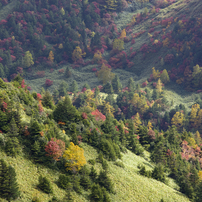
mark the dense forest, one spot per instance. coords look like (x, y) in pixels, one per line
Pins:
(101, 84)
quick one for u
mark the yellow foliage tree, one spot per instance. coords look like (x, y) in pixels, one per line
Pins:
(178, 119)
(105, 74)
(51, 56)
(97, 57)
(139, 103)
(62, 11)
(159, 86)
(137, 121)
(164, 76)
(74, 156)
(123, 34)
(28, 60)
(60, 46)
(156, 74)
(149, 126)
(193, 116)
(108, 109)
(118, 44)
(77, 54)
(200, 175)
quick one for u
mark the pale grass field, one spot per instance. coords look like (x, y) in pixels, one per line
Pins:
(128, 185)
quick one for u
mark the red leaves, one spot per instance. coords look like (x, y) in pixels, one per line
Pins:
(98, 115)
(48, 83)
(55, 148)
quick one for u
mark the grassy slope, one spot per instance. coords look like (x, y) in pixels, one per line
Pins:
(129, 186)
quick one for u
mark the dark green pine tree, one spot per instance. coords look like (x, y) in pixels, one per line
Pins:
(144, 138)
(8, 183)
(96, 193)
(74, 87)
(131, 85)
(155, 94)
(73, 133)
(13, 129)
(116, 84)
(35, 129)
(85, 182)
(68, 73)
(45, 185)
(93, 173)
(63, 181)
(65, 111)
(2, 74)
(108, 126)
(97, 91)
(56, 95)
(106, 197)
(110, 99)
(199, 192)
(63, 87)
(107, 88)
(47, 100)
(105, 181)
(12, 147)
(158, 173)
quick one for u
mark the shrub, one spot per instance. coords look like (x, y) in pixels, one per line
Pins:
(91, 161)
(45, 185)
(40, 74)
(48, 83)
(119, 164)
(63, 181)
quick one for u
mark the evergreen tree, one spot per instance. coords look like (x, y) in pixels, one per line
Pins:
(13, 129)
(8, 184)
(86, 86)
(93, 173)
(63, 181)
(12, 147)
(44, 185)
(116, 84)
(63, 87)
(96, 193)
(47, 100)
(68, 73)
(65, 111)
(158, 173)
(85, 182)
(131, 85)
(73, 134)
(74, 87)
(155, 94)
(107, 88)
(105, 181)
(97, 91)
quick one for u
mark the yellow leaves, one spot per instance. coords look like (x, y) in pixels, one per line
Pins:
(108, 109)
(118, 44)
(156, 41)
(97, 57)
(62, 11)
(77, 54)
(159, 86)
(28, 60)
(149, 126)
(123, 34)
(156, 74)
(60, 46)
(51, 56)
(166, 42)
(105, 74)
(200, 175)
(92, 34)
(178, 119)
(13, 37)
(140, 103)
(137, 120)
(74, 155)
(193, 116)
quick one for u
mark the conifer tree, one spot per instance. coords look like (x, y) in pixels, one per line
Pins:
(45, 185)
(74, 87)
(47, 100)
(8, 183)
(131, 85)
(107, 88)
(159, 86)
(12, 147)
(93, 173)
(105, 181)
(63, 87)
(13, 128)
(28, 60)
(164, 76)
(68, 73)
(96, 193)
(116, 84)
(97, 91)
(65, 111)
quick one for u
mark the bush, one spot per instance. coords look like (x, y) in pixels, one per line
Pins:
(63, 181)
(48, 83)
(91, 161)
(119, 164)
(143, 171)
(45, 185)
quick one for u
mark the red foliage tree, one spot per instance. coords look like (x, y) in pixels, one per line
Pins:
(55, 148)
(48, 83)
(98, 115)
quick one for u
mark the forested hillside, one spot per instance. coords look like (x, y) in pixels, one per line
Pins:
(100, 100)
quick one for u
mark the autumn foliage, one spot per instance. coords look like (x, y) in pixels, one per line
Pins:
(74, 156)
(55, 148)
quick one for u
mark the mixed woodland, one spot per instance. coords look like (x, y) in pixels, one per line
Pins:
(53, 127)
